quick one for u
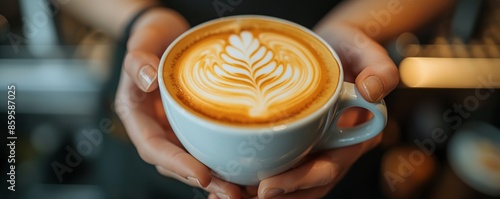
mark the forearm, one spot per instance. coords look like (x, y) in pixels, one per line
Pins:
(110, 16)
(385, 19)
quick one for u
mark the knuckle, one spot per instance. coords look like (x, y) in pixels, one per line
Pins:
(395, 73)
(118, 106)
(331, 172)
(165, 172)
(121, 106)
(160, 170)
(144, 155)
(131, 59)
(394, 70)
(176, 157)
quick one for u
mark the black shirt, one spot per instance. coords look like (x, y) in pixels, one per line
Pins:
(306, 13)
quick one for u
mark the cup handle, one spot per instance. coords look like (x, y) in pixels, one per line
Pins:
(339, 137)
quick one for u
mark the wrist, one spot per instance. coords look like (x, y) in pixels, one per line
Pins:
(345, 36)
(336, 31)
(160, 19)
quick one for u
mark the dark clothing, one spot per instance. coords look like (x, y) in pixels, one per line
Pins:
(306, 13)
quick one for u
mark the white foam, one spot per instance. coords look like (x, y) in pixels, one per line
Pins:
(246, 73)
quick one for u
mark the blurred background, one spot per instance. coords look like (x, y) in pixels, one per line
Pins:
(441, 141)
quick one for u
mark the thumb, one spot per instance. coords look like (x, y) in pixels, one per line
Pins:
(142, 67)
(365, 61)
(152, 33)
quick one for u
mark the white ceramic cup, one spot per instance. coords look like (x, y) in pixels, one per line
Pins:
(245, 155)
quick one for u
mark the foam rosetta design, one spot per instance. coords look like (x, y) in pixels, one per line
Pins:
(250, 76)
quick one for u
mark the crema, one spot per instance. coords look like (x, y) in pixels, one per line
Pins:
(251, 72)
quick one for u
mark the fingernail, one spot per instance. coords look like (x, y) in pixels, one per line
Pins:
(222, 196)
(194, 180)
(147, 75)
(373, 86)
(271, 193)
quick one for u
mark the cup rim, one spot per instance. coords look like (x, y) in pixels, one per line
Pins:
(242, 128)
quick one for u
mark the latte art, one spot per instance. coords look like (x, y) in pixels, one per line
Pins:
(253, 75)
(250, 72)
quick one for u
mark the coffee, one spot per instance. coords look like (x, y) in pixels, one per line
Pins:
(250, 71)
(237, 78)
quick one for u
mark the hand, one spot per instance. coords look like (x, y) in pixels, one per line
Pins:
(138, 104)
(365, 62)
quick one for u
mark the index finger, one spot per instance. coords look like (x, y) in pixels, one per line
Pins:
(325, 169)
(150, 138)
